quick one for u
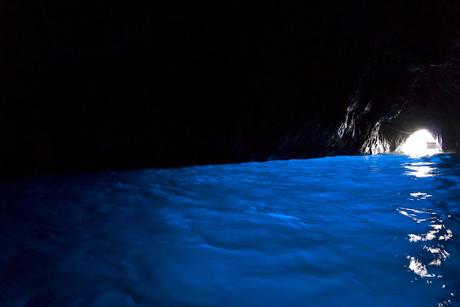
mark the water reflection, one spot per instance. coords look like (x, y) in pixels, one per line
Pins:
(436, 232)
(418, 267)
(420, 195)
(420, 169)
(430, 253)
(418, 215)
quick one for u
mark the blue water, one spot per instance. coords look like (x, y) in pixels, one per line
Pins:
(339, 231)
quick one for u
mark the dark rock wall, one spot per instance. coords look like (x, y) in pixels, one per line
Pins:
(397, 96)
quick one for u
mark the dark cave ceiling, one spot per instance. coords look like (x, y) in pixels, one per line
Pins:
(110, 85)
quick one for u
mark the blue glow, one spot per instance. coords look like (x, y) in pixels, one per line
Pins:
(376, 230)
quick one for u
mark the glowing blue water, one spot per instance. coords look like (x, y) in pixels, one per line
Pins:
(340, 231)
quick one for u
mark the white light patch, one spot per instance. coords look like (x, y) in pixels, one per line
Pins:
(418, 268)
(420, 143)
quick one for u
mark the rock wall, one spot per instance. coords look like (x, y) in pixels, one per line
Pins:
(397, 96)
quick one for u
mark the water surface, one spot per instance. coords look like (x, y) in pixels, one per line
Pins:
(366, 230)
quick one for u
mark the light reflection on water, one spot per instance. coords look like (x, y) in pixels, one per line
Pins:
(420, 169)
(436, 232)
(339, 231)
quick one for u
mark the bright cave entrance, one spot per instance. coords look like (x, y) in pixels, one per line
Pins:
(420, 143)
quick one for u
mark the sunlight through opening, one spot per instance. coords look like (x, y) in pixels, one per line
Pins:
(421, 143)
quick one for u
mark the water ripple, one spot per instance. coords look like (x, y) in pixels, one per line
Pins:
(339, 231)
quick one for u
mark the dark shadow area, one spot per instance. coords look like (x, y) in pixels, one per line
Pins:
(131, 85)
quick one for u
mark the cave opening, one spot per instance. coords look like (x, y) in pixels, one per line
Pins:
(421, 143)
